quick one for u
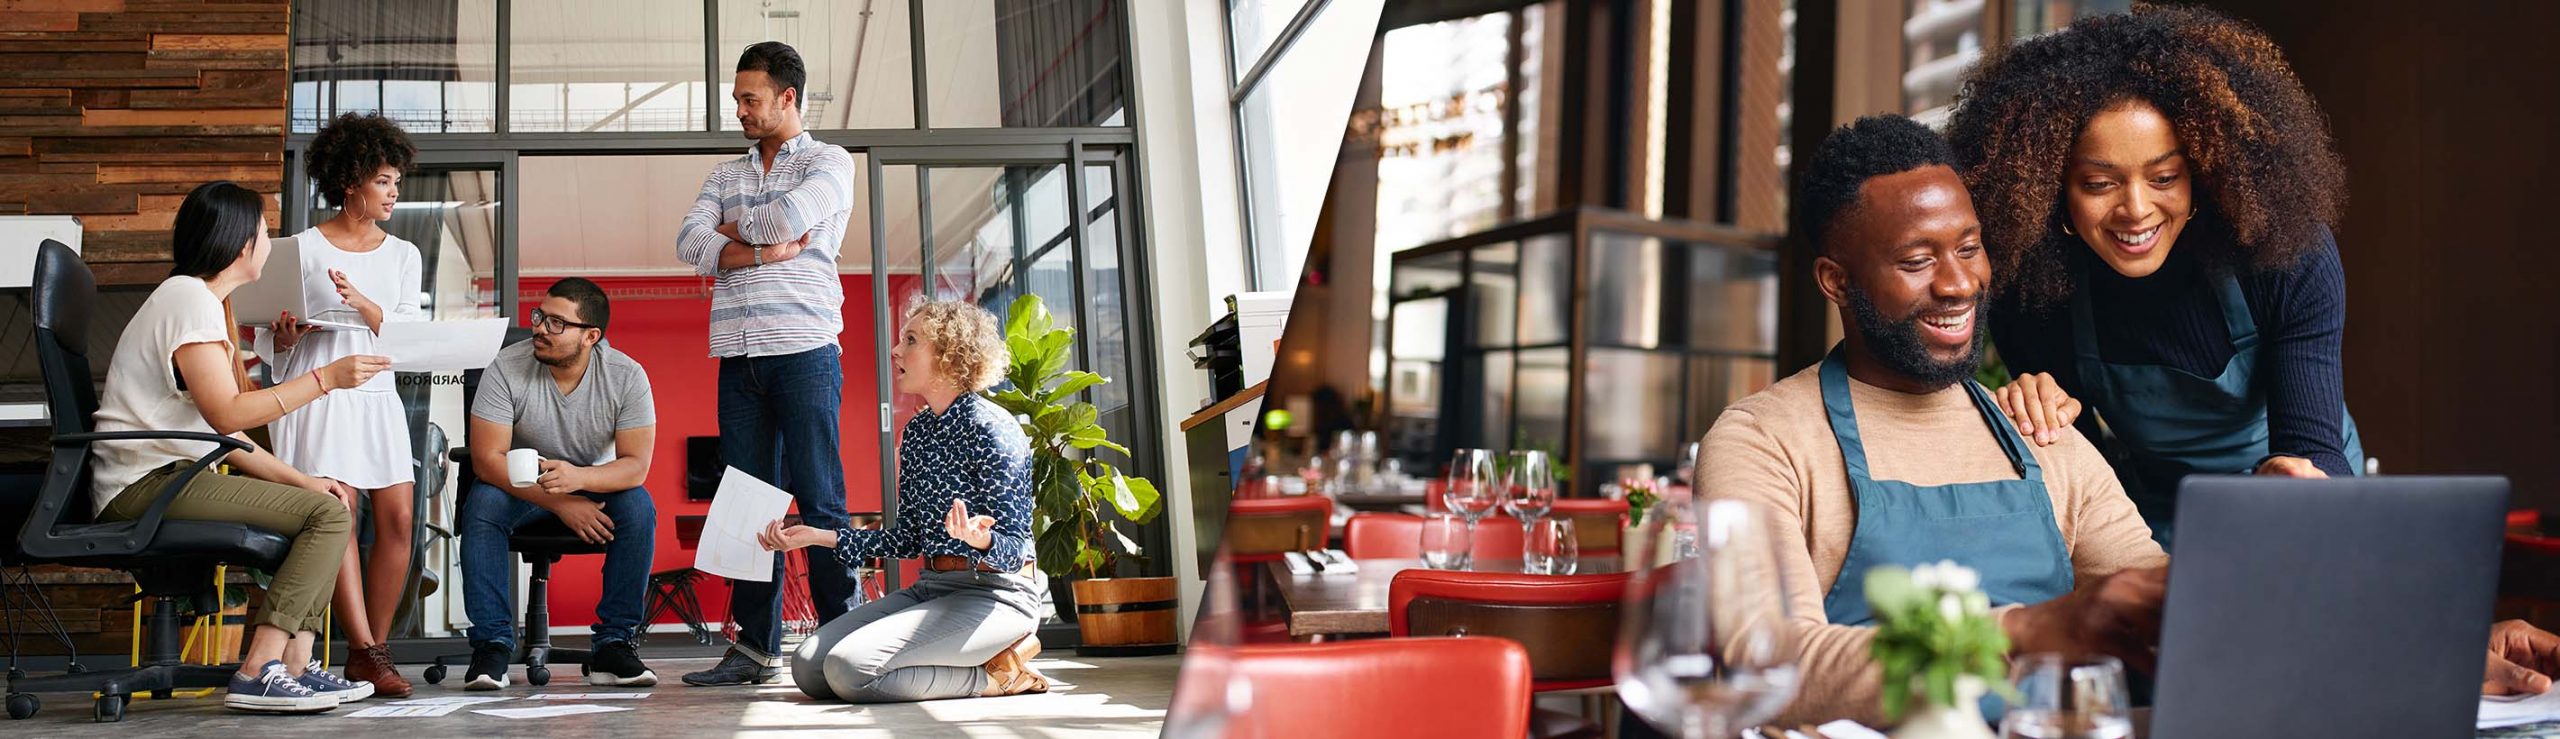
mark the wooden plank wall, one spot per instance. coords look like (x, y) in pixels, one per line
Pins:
(112, 110)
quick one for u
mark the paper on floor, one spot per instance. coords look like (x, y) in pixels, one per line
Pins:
(585, 696)
(453, 700)
(741, 509)
(400, 711)
(550, 711)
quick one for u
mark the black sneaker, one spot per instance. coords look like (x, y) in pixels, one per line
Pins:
(617, 664)
(488, 667)
(735, 668)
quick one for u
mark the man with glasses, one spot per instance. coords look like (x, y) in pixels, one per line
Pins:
(767, 227)
(586, 408)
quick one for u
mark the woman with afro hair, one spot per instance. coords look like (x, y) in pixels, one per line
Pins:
(2157, 191)
(356, 277)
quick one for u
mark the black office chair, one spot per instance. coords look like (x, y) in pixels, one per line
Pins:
(540, 543)
(171, 559)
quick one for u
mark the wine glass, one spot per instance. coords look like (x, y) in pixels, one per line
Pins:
(2068, 697)
(1531, 491)
(1470, 492)
(1212, 699)
(1448, 541)
(1688, 470)
(1705, 647)
(1550, 548)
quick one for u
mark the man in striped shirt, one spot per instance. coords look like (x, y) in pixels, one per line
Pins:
(768, 227)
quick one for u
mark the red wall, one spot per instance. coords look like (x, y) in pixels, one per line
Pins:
(670, 337)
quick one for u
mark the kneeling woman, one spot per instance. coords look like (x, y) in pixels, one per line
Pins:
(965, 629)
(175, 369)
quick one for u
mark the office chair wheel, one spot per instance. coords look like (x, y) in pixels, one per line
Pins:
(23, 705)
(538, 675)
(435, 673)
(109, 709)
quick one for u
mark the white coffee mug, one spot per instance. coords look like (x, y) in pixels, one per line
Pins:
(523, 466)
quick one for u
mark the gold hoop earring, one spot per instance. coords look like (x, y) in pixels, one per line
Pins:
(2066, 230)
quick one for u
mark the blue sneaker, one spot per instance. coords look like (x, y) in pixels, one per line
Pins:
(274, 691)
(329, 684)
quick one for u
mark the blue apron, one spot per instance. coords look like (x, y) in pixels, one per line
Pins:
(2003, 529)
(2172, 423)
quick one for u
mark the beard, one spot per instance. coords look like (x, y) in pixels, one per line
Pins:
(566, 359)
(1898, 345)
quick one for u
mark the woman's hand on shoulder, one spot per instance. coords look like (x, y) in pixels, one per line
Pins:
(2038, 406)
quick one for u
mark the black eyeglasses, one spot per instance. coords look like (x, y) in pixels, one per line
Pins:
(551, 324)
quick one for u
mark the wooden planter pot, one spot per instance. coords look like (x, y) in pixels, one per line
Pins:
(1127, 616)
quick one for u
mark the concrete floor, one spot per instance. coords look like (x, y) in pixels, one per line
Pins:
(1089, 697)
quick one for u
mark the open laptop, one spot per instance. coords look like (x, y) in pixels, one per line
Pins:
(2333, 608)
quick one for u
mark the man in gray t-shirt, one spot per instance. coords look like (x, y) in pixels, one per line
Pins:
(586, 409)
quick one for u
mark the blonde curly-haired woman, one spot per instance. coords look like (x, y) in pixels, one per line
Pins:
(966, 628)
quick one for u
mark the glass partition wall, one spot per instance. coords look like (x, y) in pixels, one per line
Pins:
(993, 159)
(1605, 338)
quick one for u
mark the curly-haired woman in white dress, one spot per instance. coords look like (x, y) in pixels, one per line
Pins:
(357, 275)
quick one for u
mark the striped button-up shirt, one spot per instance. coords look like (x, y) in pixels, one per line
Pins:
(972, 451)
(784, 307)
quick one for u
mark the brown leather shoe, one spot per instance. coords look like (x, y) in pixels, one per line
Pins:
(1010, 673)
(373, 664)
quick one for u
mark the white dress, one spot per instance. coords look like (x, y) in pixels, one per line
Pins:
(360, 435)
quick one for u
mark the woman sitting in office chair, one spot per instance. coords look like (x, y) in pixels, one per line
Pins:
(175, 368)
(965, 629)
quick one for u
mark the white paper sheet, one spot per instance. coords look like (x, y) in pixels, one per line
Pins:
(550, 711)
(2517, 710)
(454, 700)
(741, 509)
(400, 711)
(585, 696)
(441, 346)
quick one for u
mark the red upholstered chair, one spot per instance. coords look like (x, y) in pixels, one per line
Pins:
(1259, 530)
(1596, 522)
(2529, 580)
(1566, 623)
(1431, 500)
(1385, 688)
(1399, 536)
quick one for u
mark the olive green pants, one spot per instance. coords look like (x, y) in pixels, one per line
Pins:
(315, 523)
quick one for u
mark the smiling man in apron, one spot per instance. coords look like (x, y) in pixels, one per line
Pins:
(1889, 454)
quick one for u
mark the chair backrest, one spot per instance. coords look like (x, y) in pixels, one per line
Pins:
(1597, 522)
(1567, 623)
(464, 477)
(65, 294)
(1386, 688)
(1399, 536)
(1261, 528)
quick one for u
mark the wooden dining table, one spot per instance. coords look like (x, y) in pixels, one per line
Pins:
(1355, 603)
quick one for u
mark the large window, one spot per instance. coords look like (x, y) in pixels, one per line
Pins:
(1286, 97)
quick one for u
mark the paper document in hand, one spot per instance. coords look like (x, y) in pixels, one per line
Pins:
(441, 346)
(2514, 710)
(739, 511)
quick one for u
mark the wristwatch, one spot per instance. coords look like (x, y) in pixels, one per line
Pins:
(759, 256)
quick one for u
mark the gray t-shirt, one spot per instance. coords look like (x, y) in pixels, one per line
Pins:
(578, 428)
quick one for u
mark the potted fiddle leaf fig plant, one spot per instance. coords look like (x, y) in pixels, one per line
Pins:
(1940, 646)
(1078, 497)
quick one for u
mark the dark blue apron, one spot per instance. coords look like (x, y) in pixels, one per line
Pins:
(2003, 529)
(2171, 423)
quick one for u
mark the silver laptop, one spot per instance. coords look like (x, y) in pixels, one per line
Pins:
(2330, 608)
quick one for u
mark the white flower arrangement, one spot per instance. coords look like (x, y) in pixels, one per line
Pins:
(1934, 632)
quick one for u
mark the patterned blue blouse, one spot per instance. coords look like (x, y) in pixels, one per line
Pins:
(972, 451)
